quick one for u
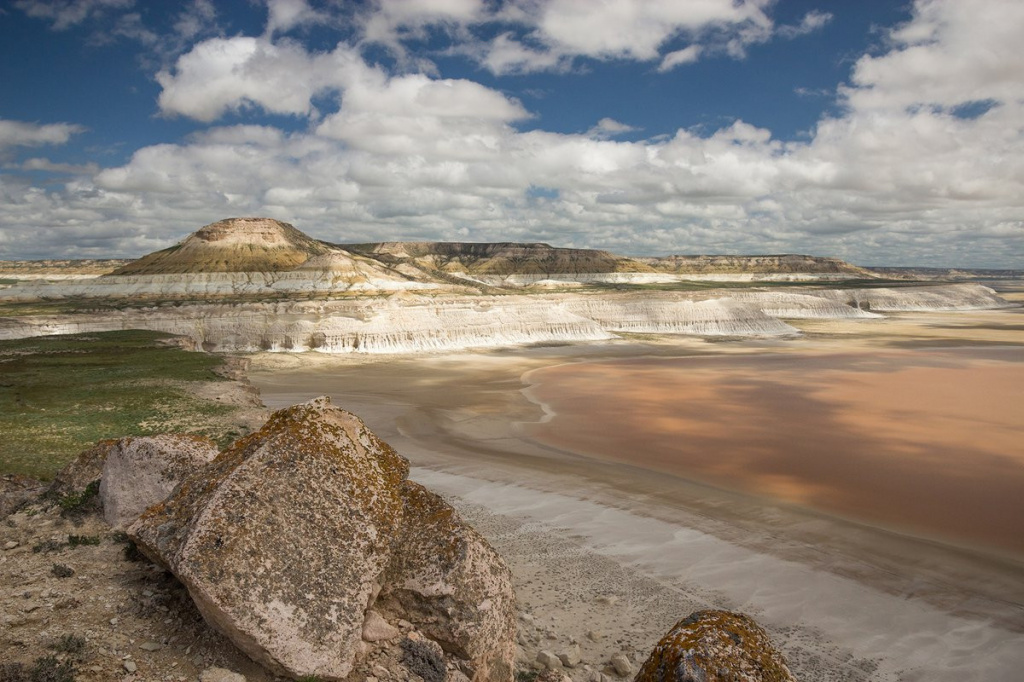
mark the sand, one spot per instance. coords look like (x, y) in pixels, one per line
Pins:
(845, 599)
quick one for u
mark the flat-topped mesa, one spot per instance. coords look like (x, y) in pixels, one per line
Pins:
(232, 245)
(499, 258)
(754, 264)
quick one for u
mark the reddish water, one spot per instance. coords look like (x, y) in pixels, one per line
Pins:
(929, 441)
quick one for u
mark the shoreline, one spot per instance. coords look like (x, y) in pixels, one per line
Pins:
(455, 416)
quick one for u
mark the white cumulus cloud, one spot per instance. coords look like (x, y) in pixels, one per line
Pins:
(922, 163)
(24, 134)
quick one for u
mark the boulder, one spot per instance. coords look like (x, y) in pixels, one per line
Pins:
(221, 675)
(283, 539)
(715, 646)
(571, 657)
(16, 491)
(139, 472)
(304, 542)
(548, 660)
(84, 469)
(447, 581)
(621, 664)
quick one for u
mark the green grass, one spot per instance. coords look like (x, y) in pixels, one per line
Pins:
(60, 394)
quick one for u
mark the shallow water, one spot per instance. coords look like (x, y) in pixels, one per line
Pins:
(929, 441)
(858, 596)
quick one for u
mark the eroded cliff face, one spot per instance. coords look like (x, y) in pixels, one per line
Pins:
(405, 323)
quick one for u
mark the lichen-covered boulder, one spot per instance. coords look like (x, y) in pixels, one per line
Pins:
(141, 471)
(84, 469)
(715, 646)
(445, 579)
(282, 540)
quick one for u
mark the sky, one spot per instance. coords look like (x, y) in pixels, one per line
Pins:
(882, 132)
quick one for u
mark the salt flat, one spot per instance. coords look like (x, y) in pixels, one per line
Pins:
(846, 599)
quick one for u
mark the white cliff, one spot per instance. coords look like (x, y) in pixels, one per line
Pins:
(942, 297)
(666, 313)
(409, 324)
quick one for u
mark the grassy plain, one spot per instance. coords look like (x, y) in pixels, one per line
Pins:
(59, 394)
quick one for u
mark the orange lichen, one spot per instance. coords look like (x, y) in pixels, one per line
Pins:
(715, 646)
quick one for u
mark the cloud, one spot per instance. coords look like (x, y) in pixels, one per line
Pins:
(948, 54)
(284, 15)
(922, 163)
(22, 134)
(607, 128)
(230, 74)
(813, 21)
(39, 164)
(63, 14)
(687, 55)
(555, 32)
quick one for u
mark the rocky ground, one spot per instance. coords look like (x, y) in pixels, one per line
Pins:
(73, 590)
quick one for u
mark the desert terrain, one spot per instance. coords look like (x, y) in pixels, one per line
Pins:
(649, 460)
(828, 449)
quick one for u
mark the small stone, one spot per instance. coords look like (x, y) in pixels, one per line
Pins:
(11, 545)
(221, 675)
(621, 664)
(114, 621)
(150, 646)
(594, 635)
(571, 657)
(607, 599)
(376, 629)
(130, 666)
(29, 608)
(548, 660)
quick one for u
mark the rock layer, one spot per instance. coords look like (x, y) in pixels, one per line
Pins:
(715, 646)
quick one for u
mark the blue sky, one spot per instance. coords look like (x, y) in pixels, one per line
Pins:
(881, 132)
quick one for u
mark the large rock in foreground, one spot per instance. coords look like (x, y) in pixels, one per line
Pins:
(715, 646)
(446, 580)
(286, 540)
(142, 471)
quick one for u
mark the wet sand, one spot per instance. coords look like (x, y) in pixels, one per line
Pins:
(846, 600)
(927, 441)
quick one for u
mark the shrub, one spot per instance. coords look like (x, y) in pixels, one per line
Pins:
(62, 571)
(43, 669)
(77, 505)
(423, 660)
(81, 540)
(72, 645)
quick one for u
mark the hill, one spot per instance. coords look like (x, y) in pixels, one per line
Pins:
(497, 258)
(232, 245)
